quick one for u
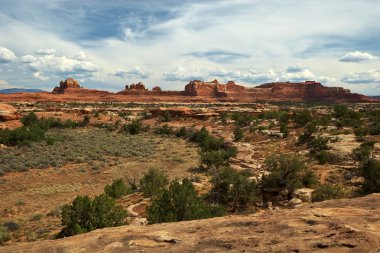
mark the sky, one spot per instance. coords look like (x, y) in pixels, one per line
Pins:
(167, 43)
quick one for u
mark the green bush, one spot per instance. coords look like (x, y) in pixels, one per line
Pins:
(133, 128)
(233, 189)
(164, 130)
(363, 152)
(286, 172)
(307, 136)
(238, 134)
(302, 118)
(182, 132)
(371, 174)
(117, 189)
(325, 192)
(85, 215)
(324, 157)
(181, 202)
(153, 183)
(4, 235)
(318, 144)
(166, 117)
(284, 130)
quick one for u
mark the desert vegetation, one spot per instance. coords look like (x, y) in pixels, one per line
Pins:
(169, 168)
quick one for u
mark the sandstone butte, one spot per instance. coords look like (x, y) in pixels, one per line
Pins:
(197, 91)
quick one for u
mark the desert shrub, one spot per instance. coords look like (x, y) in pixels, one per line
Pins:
(36, 217)
(360, 131)
(302, 118)
(214, 159)
(325, 192)
(238, 134)
(84, 215)
(22, 135)
(242, 119)
(309, 179)
(285, 172)
(166, 117)
(318, 144)
(182, 132)
(133, 128)
(4, 235)
(371, 174)
(164, 130)
(307, 135)
(233, 189)
(284, 129)
(29, 119)
(11, 226)
(324, 157)
(181, 202)
(363, 152)
(153, 183)
(223, 117)
(117, 189)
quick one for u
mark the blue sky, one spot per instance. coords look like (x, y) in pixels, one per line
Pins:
(107, 44)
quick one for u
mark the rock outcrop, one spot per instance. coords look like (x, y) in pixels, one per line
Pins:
(69, 83)
(138, 87)
(345, 225)
(71, 86)
(282, 91)
(8, 112)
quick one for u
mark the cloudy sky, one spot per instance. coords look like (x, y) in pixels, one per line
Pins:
(107, 44)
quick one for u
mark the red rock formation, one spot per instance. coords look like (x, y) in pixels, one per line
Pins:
(8, 112)
(279, 91)
(69, 83)
(177, 111)
(156, 88)
(71, 86)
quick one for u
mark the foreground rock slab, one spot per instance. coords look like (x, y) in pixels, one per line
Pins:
(347, 225)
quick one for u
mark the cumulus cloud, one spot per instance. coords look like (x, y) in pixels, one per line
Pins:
(49, 51)
(182, 74)
(357, 56)
(40, 76)
(297, 73)
(364, 77)
(251, 76)
(44, 65)
(136, 72)
(28, 58)
(6, 55)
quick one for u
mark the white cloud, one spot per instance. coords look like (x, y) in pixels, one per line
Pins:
(357, 56)
(297, 73)
(182, 74)
(40, 76)
(6, 55)
(3, 82)
(136, 72)
(50, 64)
(28, 58)
(128, 33)
(50, 51)
(81, 56)
(364, 77)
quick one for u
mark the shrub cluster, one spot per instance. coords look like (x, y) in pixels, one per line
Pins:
(181, 202)
(85, 214)
(117, 189)
(233, 189)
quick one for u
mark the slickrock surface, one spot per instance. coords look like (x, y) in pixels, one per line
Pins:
(346, 225)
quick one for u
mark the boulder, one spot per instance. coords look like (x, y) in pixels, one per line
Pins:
(8, 112)
(304, 194)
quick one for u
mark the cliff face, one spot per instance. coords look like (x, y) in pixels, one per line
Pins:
(304, 91)
(230, 91)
